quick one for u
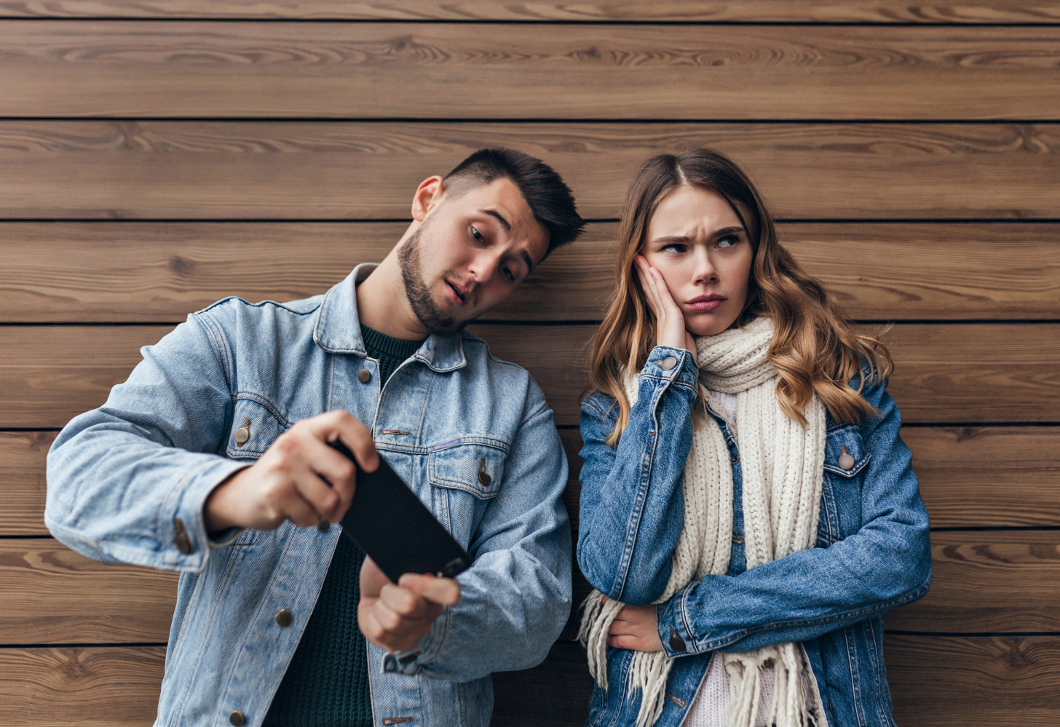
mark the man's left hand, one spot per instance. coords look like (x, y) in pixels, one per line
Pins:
(396, 616)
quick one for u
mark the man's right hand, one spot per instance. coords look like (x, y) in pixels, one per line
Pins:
(291, 480)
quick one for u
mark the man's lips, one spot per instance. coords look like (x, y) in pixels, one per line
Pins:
(457, 293)
(706, 303)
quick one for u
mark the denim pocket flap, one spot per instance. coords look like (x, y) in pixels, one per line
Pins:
(844, 453)
(254, 428)
(476, 467)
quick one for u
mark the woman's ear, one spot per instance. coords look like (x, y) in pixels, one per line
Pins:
(427, 197)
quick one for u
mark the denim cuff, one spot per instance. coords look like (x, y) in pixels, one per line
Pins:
(674, 364)
(410, 661)
(674, 634)
(185, 542)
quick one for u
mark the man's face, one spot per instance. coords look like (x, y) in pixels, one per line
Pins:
(469, 254)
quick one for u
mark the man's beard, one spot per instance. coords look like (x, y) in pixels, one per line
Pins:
(433, 318)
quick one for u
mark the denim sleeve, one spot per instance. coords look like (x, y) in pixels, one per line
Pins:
(632, 506)
(127, 481)
(516, 597)
(886, 563)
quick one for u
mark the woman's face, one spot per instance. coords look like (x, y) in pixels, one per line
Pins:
(698, 243)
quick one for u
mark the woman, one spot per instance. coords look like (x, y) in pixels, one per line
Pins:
(748, 510)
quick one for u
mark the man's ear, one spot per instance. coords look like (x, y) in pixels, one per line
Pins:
(427, 197)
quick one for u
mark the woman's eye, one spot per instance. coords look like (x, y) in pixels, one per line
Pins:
(728, 241)
(673, 247)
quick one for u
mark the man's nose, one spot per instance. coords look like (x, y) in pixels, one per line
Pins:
(483, 268)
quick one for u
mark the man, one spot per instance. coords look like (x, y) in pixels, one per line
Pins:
(212, 459)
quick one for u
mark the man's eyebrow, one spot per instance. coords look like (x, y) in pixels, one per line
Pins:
(504, 223)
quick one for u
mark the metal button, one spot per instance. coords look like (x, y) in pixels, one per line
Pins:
(668, 363)
(483, 475)
(181, 539)
(242, 435)
(364, 376)
(845, 460)
(676, 642)
(324, 525)
(237, 718)
(284, 618)
(737, 539)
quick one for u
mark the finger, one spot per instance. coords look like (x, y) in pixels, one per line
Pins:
(320, 496)
(666, 299)
(372, 579)
(443, 591)
(297, 510)
(408, 604)
(333, 471)
(343, 425)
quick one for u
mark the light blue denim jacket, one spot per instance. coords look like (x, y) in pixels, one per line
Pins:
(872, 552)
(127, 483)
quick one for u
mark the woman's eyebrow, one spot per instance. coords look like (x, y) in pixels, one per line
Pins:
(728, 230)
(672, 238)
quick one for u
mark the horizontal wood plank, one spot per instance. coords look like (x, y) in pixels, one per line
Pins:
(959, 373)
(988, 582)
(935, 682)
(444, 70)
(369, 170)
(988, 476)
(132, 272)
(89, 687)
(22, 482)
(51, 595)
(669, 11)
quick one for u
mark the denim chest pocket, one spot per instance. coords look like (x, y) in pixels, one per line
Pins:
(255, 426)
(474, 465)
(845, 459)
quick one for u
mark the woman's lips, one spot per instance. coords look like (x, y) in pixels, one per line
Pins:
(706, 303)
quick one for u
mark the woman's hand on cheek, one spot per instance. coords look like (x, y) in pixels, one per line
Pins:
(635, 628)
(670, 322)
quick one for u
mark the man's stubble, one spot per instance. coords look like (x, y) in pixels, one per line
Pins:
(418, 293)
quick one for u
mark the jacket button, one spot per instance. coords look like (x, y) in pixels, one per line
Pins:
(737, 539)
(483, 475)
(668, 363)
(181, 539)
(284, 618)
(364, 376)
(845, 460)
(676, 642)
(323, 525)
(237, 718)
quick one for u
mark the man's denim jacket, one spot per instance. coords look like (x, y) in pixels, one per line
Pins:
(872, 552)
(127, 483)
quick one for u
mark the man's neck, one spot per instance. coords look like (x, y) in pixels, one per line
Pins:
(382, 305)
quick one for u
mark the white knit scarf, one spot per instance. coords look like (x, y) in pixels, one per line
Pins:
(783, 465)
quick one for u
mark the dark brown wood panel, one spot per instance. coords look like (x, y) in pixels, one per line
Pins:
(22, 483)
(366, 170)
(960, 373)
(988, 582)
(132, 272)
(956, 682)
(442, 70)
(51, 595)
(90, 687)
(988, 476)
(671, 11)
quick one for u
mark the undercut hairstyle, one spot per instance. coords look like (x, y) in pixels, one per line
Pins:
(548, 196)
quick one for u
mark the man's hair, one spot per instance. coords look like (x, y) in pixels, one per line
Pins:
(548, 196)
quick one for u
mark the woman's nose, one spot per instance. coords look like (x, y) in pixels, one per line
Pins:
(704, 270)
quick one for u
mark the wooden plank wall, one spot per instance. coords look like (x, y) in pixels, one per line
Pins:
(156, 155)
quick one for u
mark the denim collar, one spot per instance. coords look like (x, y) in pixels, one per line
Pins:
(338, 327)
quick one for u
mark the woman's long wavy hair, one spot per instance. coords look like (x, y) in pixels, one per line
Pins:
(813, 349)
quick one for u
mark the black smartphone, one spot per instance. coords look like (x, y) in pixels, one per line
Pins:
(395, 529)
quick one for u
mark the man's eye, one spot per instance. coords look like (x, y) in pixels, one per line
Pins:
(477, 235)
(508, 274)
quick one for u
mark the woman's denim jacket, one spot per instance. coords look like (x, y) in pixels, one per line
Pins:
(127, 482)
(872, 552)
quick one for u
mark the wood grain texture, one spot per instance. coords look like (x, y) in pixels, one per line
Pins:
(960, 373)
(51, 595)
(369, 170)
(441, 70)
(89, 687)
(988, 582)
(22, 482)
(135, 272)
(669, 11)
(988, 476)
